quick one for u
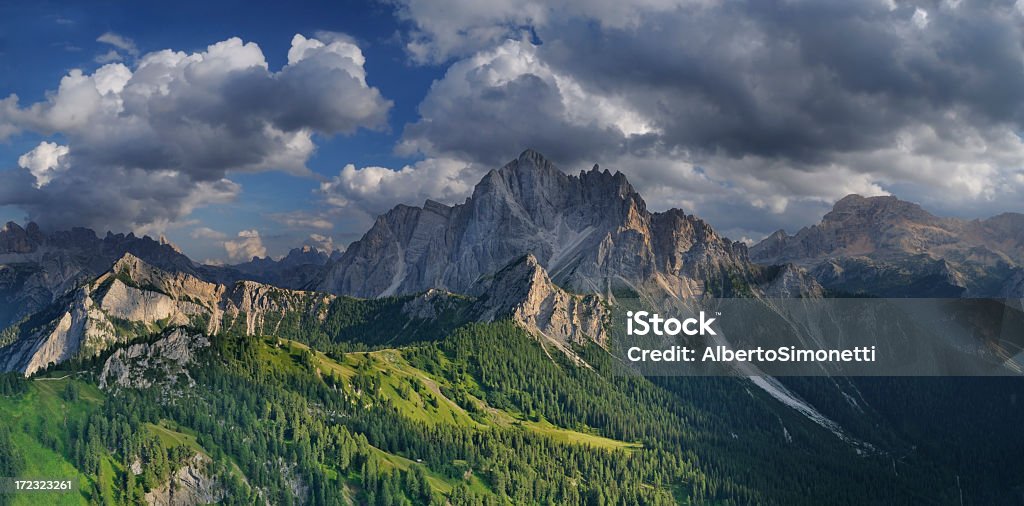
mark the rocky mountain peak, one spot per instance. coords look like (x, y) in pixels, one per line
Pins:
(12, 229)
(306, 255)
(880, 210)
(887, 245)
(538, 185)
(865, 226)
(14, 239)
(134, 272)
(164, 241)
(129, 263)
(590, 230)
(517, 279)
(524, 292)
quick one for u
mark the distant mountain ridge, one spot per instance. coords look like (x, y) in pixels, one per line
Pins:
(302, 267)
(135, 299)
(591, 232)
(887, 246)
(37, 267)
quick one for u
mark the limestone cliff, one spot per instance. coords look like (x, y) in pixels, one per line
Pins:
(135, 299)
(38, 268)
(140, 365)
(191, 485)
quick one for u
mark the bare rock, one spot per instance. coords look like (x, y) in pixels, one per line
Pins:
(523, 292)
(592, 232)
(190, 486)
(140, 365)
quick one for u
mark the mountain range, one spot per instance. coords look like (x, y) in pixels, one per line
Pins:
(461, 353)
(588, 233)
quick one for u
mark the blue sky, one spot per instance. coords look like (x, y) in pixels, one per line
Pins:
(752, 115)
(40, 43)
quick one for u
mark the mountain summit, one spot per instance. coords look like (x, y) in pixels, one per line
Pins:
(888, 246)
(591, 231)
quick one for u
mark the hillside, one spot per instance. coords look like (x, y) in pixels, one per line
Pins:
(483, 416)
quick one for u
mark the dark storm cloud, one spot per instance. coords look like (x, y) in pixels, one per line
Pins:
(778, 102)
(801, 80)
(113, 199)
(481, 123)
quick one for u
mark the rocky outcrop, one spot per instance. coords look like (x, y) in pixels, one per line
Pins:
(136, 299)
(789, 280)
(141, 365)
(54, 341)
(592, 232)
(191, 485)
(523, 292)
(860, 226)
(889, 247)
(433, 304)
(257, 308)
(37, 268)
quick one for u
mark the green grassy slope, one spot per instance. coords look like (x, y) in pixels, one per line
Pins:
(482, 416)
(38, 422)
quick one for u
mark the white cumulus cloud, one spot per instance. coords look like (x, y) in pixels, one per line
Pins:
(43, 161)
(248, 245)
(376, 189)
(186, 120)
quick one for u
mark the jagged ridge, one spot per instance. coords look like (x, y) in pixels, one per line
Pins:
(591, 231)
(135, 299)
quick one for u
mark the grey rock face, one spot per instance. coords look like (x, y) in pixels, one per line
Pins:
(592, 232)
(886, 227)
(523, 292)
(134, 366)
(190, 486)
(889, 247)
(37, 268)
(14, 239)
